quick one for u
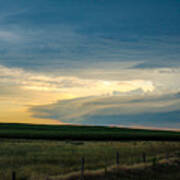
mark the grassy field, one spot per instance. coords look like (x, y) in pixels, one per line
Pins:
(41, 152)
(40, 159)
(86, 133)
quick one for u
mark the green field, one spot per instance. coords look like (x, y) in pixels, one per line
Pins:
(85, 133)
(40, 152)
(40, 159)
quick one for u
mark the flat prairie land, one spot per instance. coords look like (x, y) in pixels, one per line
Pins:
(56, 154)
(44, 159)
(84, 133)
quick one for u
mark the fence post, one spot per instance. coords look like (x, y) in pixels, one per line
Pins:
(167, 155)
(154, 165)
(117, 158)
(105, 171)
(154, 161)
(82, 168)
(144, 157)
(13, 175)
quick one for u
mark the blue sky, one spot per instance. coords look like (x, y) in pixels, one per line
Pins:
(129, 47)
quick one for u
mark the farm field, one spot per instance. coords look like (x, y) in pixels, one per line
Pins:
(85, 133)
(39, 159)
(39, 152)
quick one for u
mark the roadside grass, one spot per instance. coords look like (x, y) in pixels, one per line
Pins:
(164, 169)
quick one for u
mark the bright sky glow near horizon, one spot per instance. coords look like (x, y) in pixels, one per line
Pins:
(91, 62)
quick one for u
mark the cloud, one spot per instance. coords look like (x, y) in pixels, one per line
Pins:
(157, 111)
(59, 36)
(160, 120)
(98, 83)
(69, 84)
(156, 65)
(71, 50)
(133, 92)
(8, 36)
(123, 83)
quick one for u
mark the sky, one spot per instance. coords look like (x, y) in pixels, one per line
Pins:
(90, 62)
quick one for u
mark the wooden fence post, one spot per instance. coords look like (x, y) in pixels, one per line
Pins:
(13, 175)
(144, 157)
(82, 168)
(105, 171)
(167, 155)
(154, 165)
(154, 161)
(117, 158)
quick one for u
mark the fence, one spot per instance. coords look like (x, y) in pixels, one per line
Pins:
(143, 158)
